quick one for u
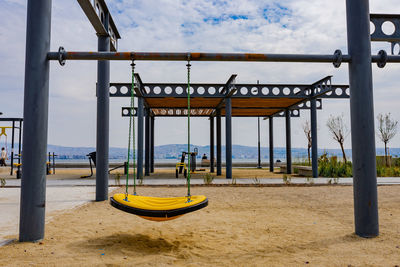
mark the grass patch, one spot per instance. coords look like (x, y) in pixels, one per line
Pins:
(331, 167)
(208, 178)
(287, 179)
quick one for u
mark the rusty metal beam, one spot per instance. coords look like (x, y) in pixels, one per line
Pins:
(169, 56)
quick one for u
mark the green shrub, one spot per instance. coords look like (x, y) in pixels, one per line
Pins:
(287, 179)
(333, 168)
(208, 178)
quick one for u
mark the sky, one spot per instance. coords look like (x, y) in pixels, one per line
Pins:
(253, 26)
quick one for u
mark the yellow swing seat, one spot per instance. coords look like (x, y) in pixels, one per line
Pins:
(158, 208)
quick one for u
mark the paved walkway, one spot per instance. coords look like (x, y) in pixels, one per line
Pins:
(219, 181)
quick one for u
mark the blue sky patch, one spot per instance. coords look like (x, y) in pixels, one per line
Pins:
(224, 17)
(275, 12)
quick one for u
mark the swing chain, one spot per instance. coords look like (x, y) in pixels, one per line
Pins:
(131, 125)
(189, 153)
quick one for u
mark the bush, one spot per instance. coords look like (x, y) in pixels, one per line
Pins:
(333, 168)
(208, 178)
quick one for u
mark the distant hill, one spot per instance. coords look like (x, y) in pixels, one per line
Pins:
(174, 151)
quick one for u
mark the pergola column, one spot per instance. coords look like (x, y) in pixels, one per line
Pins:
(314, 139)
(140, 115)
(362, 119)
(271, 144)
(288, 143)
(36, 101)
(228, 137)
(219, 163)
(147, 143)
(211, 144)
(103, 114)
(152, 145)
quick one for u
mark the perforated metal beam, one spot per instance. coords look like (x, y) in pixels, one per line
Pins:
(178, 90)
(97, 11)
(204, 112)
(378, 34)
(293, 113)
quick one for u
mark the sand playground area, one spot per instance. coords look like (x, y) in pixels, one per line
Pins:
(242, 226)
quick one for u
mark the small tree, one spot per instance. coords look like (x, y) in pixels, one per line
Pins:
(339, 131)
(307, 132)
(387, 129)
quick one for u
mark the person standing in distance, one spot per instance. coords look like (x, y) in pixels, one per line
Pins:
(3, 157)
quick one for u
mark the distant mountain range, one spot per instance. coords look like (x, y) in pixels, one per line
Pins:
(174, 151)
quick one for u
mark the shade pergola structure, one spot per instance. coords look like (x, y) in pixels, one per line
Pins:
(225, 100)
(36, 96)
(14, 126)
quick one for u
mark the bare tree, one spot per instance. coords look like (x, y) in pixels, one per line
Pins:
(307, 132)
(338, 130)
(387, 129)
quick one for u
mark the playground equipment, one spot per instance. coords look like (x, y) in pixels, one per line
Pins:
(156, 208)
(92, 158)
(181, 166)
(51, 163)
(92, 162)
(3, 133)
(13, 156)
(36, 94)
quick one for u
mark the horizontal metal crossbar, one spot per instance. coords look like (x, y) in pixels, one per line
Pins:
(170, 56)
(97, 11)
(240, 57)
(171, 112)
(175, 90)
(11, 119)
(294, 113)
(207, 112)
(379, 34)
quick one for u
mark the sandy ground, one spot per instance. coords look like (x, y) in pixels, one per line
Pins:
(243, 226)
(70, 173)
(57, 199)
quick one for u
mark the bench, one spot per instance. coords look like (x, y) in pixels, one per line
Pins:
(304, 170)
(300, 170)
(205, 163)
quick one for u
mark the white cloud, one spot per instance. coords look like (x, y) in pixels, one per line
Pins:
(317, 26)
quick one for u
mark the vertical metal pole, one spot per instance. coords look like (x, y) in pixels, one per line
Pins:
(12, 146)
(103, 114)
(228, 138)
(259, 144)
(54, 164)
(362, 119)
(36, 100)
(288, 143)
(211, 144)
(314, 138)
(140, 115)
(19, 141)
(271, 144)
(219, 162)
(147, 143)
(19, 150)
(152, 146)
